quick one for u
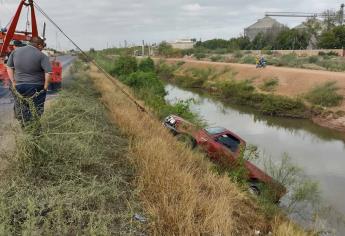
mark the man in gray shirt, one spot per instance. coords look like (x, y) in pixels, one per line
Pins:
(29, 71)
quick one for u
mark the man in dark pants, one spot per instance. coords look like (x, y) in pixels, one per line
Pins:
(29, 71)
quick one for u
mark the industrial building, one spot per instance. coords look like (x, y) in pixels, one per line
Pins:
(183, 44)
(264, 25)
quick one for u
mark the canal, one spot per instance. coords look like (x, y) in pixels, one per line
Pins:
(319, 151)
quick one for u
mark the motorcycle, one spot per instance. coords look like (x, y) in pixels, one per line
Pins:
(261, 64)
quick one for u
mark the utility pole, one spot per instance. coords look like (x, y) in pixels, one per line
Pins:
(342, 14)
(143, 49)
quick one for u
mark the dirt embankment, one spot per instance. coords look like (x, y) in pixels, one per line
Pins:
(178, 188)
(292, 83)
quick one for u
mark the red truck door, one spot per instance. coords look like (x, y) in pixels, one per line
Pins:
(210, 146)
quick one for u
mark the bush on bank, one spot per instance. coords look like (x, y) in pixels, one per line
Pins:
(238, 92)
(142, 77)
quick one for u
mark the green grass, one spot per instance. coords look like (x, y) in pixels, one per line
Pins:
(72, 179)
(325, 95)
(149, 87)
(269, 85)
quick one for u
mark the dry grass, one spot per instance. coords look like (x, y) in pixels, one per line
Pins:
(178, 188)
(285, 228)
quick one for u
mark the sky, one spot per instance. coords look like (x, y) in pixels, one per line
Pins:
(107, 23)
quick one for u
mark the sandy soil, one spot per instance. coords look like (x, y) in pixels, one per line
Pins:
(292, 82)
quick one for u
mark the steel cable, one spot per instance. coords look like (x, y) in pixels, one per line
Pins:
(140, 107)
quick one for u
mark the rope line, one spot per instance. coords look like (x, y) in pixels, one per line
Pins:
(140, 107)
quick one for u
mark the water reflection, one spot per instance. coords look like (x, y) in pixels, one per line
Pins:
(319, 151)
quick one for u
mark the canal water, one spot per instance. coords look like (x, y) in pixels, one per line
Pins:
(319, 151)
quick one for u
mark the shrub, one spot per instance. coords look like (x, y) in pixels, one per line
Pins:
(248, 60)
(325, 95)
(144, 80)
(165, 71)
(147, 65)
(236, 88)
(313, 59)
(124, 65)
(221, 51)
(288, 60)
(282, 106)
(238, 54)
(332, 53)
(217, 58)
(199, 55)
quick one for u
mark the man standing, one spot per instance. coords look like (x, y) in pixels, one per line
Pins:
(29, 71)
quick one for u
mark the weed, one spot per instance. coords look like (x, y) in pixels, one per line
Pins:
(325, 95)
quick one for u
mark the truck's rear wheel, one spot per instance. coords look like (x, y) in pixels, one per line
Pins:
(254, 187)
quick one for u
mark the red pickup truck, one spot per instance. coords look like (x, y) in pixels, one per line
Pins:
(224, 148)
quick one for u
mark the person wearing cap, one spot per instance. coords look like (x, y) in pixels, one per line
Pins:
(29, 71)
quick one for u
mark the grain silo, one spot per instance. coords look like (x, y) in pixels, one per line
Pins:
(264, 25)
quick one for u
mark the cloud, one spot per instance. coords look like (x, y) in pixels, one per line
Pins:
(195, 7)
(96, 23)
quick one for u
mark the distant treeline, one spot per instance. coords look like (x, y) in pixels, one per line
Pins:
(287, 39)
(319, 35)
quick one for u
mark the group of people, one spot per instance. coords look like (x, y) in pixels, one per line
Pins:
(29, 71)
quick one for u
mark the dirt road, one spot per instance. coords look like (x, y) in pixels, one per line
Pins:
(292, 82)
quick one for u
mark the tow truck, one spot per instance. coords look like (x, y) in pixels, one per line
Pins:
(11, 34)
(225, 148)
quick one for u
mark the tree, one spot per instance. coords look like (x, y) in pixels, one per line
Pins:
(292, 39)
(215, 44)
(333, 39)
(244, 43)
(165, 49)
(331, 19)
(261, 41)
(314, 26)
